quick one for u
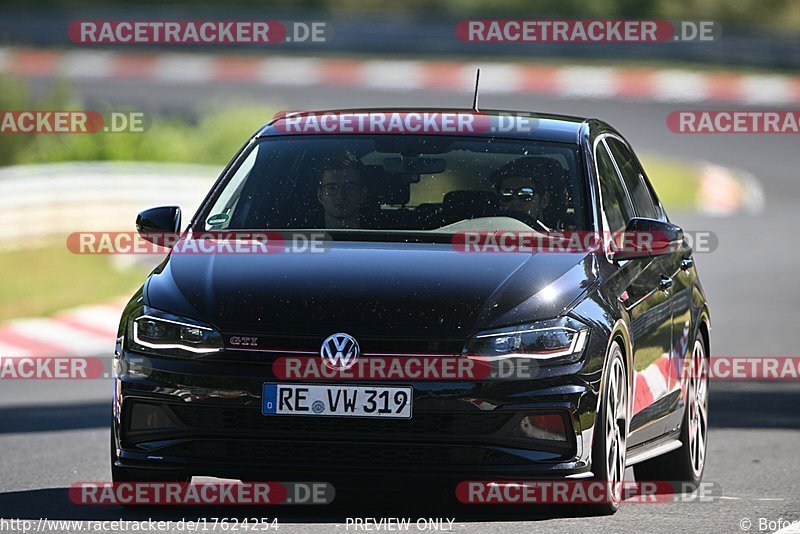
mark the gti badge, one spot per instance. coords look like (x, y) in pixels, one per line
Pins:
(340, 351)
(241, 341)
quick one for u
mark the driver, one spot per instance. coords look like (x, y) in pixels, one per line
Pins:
(341, 192)
(524, 185)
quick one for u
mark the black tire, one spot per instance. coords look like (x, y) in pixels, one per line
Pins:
(611, 474)
(684, 466)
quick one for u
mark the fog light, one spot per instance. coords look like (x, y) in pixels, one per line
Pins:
(548, 427)
(149, 417)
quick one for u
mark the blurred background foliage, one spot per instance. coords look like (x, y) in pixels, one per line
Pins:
(212, 137)
(783, 14)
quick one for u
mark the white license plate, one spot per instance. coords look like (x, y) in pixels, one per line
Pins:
(335, 400)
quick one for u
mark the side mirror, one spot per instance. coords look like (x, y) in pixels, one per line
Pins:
(152, 224)
(644, 238)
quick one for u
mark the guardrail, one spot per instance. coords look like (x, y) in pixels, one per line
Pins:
(39, 203)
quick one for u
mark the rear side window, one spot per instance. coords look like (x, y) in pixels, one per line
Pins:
(615, 202)
(634, 179)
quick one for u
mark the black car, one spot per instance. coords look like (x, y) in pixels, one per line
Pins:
(611, 331)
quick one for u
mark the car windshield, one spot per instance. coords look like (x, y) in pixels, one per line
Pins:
(400, 184)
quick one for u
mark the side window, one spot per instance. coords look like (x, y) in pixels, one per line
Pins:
(634, 179)
(615, 201)
(220, 214)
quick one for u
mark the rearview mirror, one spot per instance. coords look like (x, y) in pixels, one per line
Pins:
(415, 165)
(152, 224)
(644, 238)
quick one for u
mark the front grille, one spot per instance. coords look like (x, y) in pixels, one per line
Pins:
(338, 454)
(311, 344)
(250, 420)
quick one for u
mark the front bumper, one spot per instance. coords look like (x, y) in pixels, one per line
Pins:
(204, 418)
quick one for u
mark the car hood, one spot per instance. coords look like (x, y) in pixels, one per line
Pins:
(369, 289)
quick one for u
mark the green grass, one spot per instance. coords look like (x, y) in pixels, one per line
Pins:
(44, 280)
(676, 182)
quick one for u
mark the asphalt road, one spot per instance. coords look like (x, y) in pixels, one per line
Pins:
(53, 434)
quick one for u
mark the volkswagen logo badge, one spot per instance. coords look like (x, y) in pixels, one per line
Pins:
(340, 351)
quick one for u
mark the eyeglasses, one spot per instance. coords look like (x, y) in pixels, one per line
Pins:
(520, 193)
(348, 188)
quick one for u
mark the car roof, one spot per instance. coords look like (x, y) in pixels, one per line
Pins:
(547, 126)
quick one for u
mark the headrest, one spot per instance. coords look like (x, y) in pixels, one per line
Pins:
(471, 203)
(544, 171)
(386, 187)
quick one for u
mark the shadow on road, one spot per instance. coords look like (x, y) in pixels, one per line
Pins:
(49, 417)
(754, 405)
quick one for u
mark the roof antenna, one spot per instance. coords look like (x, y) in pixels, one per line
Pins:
(477, 87)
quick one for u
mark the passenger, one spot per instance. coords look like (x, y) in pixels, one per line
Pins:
(524, 186)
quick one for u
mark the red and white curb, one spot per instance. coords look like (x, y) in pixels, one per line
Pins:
(724, 192)
(640, 83)
(651, 383)
(84, 331)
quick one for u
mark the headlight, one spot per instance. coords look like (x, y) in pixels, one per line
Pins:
(157, 332)
(560, 341)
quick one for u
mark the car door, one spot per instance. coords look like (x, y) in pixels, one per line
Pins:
(678, 267)
(642, 291)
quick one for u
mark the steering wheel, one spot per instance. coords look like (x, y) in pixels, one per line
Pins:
(531, 221)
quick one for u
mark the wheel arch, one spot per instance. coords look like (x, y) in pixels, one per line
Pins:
(704, 329)
(620, 333)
